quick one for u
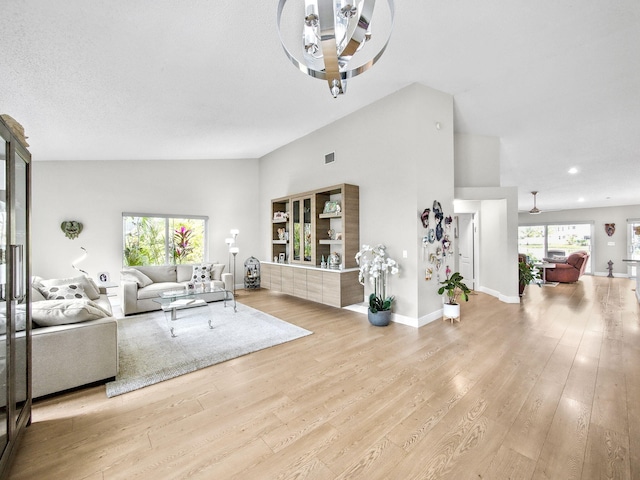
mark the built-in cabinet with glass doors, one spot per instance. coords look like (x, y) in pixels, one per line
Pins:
(315, 237)
(15, 311)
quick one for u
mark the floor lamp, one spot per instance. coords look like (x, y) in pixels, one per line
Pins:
(229, 242)
(234, 251)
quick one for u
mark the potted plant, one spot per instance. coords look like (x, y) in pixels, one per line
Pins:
(376, 266)
(527, 273)
(455, 289)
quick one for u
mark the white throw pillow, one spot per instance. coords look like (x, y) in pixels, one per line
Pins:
(62, 312)
(71, 291)
(201, 273)
(216, 271)
(133, 275)
(89, 286)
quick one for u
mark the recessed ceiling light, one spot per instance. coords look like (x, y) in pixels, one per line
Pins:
(581, 199)
(573, 170)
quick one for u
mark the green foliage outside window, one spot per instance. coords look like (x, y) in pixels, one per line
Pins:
(150, 240)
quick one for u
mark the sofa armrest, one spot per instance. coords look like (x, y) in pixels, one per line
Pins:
(129, 294)
(227, 278)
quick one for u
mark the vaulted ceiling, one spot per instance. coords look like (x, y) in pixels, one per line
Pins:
(557, 81)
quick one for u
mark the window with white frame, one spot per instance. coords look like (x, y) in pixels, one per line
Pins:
(540, 241)
(156, 239)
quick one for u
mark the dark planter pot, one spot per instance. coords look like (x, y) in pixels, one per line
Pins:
(521, 289)
(381, 318)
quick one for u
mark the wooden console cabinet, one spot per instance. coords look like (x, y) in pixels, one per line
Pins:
(337, 288)
(301, 226)
(308, 228)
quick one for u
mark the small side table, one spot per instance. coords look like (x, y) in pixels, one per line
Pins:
(544, 266)
(105, 286)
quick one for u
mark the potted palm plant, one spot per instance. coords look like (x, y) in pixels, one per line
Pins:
(527, 273)
(376, 266)
(455, 289)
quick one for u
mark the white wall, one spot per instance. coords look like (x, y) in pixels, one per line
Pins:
(96, 193)
(477, 160)
(601, 251)
(393, 151)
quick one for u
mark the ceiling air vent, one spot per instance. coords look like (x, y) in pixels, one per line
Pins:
(330, 158)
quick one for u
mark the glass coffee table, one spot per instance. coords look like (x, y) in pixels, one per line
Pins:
(175, 300)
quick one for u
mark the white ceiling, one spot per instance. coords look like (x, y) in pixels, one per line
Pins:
(557, 80)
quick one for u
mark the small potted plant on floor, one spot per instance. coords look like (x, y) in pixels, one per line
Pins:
(376, 266)
(455, 289)
(527, 273)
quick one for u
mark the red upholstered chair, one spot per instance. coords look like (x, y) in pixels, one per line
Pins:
(568, 272)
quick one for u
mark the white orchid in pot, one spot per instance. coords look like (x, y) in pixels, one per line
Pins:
(376, 266)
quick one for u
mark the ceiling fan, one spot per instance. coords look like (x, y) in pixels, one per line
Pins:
(535, 210)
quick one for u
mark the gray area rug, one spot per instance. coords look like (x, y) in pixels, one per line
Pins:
(148, 354)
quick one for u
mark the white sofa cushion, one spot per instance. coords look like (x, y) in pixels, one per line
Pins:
(134, 275)
(216, 271)
(184, 272)
(70, 291)
(89, 286)
(62, 312)
(155, 289)
(159, 273)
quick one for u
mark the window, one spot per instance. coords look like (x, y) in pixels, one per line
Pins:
(151, 239)
(539, 241)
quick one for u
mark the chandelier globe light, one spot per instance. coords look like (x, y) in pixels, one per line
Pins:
(333, 32)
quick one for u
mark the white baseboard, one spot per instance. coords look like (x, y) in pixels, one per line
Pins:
(397, 318)
(615, 275)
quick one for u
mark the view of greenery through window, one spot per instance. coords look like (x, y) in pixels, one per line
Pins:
(163, 240)
(539, 241)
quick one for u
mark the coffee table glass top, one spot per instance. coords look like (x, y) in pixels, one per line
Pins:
(172, 298)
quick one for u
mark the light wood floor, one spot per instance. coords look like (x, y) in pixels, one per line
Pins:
(548, 389)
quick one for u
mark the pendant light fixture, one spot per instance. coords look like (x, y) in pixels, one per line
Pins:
(333, 31)
(535, 210)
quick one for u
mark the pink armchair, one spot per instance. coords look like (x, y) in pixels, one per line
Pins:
(568, 272)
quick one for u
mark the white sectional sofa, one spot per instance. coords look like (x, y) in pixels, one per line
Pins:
(141, 284)
(74, 341)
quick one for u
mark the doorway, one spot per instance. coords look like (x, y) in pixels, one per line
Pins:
(633, 246)
(466, 248)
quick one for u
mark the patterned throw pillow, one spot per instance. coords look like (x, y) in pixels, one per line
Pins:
(201, 273)
(70, 291)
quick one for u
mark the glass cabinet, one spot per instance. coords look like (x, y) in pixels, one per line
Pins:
(303, 239)
(15, 319)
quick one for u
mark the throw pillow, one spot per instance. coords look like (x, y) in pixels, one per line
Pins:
(89, 286)
(216, 271)
(201, 273)
(48, 313)
(133, 275)
(72, 291)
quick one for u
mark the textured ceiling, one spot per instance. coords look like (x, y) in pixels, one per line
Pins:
(557, 81)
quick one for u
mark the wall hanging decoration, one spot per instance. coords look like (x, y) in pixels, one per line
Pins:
(438, 235)
(424, 217)
(71, 228)
(428, 273)
(610, 228)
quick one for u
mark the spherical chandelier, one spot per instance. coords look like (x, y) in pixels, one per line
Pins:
(333, 31)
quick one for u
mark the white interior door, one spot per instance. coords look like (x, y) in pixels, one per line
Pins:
(465, 248)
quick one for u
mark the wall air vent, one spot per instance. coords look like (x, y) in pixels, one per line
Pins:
(330, 158)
